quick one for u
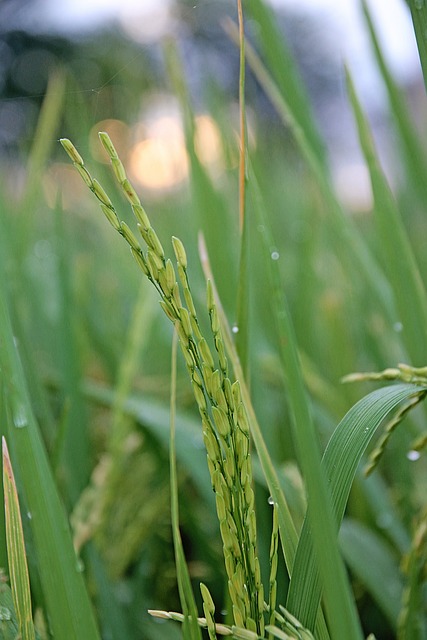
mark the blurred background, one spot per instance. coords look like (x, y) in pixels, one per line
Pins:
(162, 79)
(112, 52)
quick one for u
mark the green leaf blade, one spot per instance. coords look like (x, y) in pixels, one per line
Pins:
(16, 550)
(340, 461)
(68, 606)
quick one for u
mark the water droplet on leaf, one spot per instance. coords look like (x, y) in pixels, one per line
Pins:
(275, 255)
(20, 419)
(270, 500)
(80, 567)
(235, 328)
(413, 455)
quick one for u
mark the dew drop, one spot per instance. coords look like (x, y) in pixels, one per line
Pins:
(20, 419)
(398, 327)
(270, 500)
(80, 567)
(235, 328)
(29, 515)
(413, 455)
(275, 255)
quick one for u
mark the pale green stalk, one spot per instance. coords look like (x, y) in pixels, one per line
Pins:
(16, 553)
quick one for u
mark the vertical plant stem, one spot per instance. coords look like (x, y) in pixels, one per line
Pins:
(242, 311)
(242, 162)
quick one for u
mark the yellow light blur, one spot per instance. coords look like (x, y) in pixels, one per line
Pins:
(160, 161)
(208, 143)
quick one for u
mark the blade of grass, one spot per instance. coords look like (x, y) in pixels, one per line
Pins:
(280, 60)
(349, 245)
(418, 10)
(340, 461)
(44, 138)
(210, 207)
(334, 579)
(16, 553)
(242, 116)
(67, 601)
(408, 288)
(415, 159)
(72, 448)
(191, 629)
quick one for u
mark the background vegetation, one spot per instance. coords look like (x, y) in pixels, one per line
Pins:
(85, 348)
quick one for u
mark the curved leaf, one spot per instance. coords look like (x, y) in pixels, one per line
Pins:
(340, 460)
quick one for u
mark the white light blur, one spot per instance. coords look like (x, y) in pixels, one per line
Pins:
(150, 18)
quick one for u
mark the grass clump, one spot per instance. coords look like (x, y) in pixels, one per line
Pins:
(285, 529)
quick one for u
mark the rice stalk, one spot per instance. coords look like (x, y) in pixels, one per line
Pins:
(223, 415)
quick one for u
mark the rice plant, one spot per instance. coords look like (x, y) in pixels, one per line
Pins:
(129, 564)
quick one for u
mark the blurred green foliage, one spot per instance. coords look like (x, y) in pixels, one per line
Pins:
(76, 302)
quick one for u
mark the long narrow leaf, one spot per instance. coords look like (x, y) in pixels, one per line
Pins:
(305, 438)
(287, 78)
(419, 18)
(413, 151)
(349, 244)
(408, 288)
(18, 568)
(341, 458)
(68, 606)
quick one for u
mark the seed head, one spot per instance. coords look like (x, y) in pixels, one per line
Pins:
(180, 253)
(129, 236)
(71, 151)
(100, 193)
(107, 144)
